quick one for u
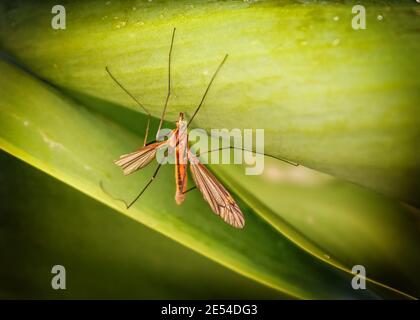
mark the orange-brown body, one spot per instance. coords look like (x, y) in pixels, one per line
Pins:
(181, 159)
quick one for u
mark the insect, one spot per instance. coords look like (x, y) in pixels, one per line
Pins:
(217, 196)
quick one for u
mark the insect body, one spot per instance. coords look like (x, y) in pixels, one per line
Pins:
(219, 199)
(180, 143)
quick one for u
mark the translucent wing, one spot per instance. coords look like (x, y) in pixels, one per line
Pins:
(138, 159)
(215, 193)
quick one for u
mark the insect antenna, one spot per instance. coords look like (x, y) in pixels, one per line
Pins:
(207, 89)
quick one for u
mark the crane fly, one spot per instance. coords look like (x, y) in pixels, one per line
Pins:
(219, 199)
(216, 195)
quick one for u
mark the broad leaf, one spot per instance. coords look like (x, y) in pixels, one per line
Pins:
(332, 98)
(106, 255)
(77, 147)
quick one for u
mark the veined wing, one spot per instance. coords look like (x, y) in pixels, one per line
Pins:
(138, 159)
(215, 193)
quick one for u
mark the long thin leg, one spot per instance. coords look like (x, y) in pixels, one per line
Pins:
(138, 196)
(207, 89)
(145, 187)
(101, 184)
(135, 99)
(169, 82)
(243, 149)
(190, 189)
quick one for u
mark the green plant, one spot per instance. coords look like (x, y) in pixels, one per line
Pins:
(357, 121)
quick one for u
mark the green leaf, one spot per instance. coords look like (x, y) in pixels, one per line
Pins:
(338, 222)
(338, 100)
(283, 75)
(72, 144)
(106, 255)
